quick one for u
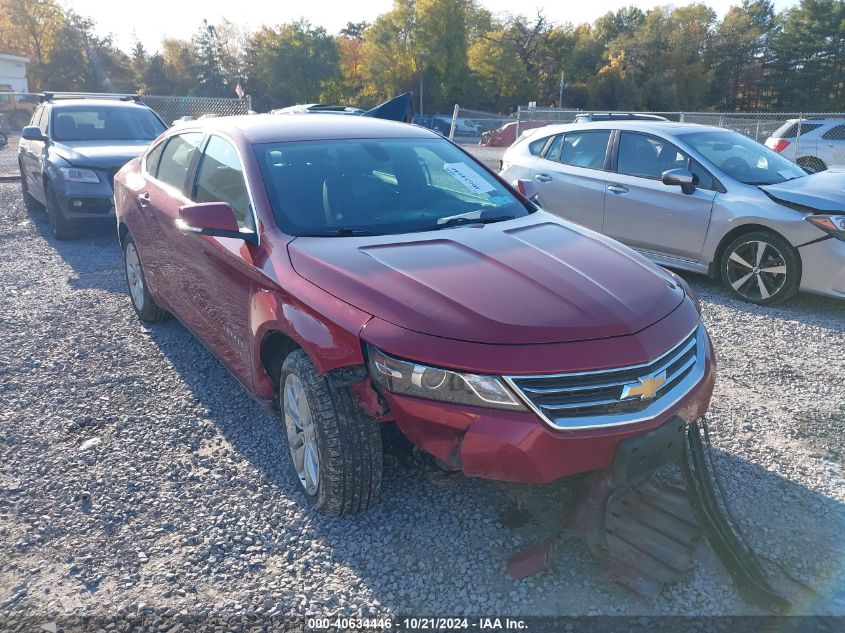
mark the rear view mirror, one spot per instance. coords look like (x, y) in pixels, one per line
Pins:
(32, 133)
(212, 218)
(683, 178)
(527, 188)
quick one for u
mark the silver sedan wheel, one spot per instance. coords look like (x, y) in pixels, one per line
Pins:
(134, 276)
(302, 434)
(756, 270)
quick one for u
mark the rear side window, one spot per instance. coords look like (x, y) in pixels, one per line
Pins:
(176, 159)
(220, 178)
(835, 133)
(553, 152)
(585, 149)
(647, 156)
(791, 130)
(535, 148)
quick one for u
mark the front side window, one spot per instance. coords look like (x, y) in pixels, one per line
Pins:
(379, 186)
(741, 158)
(647, 156)
(703, 178)
(105, 123)
(153, 157)
(176, 158)
(220, 178)
(585, 149)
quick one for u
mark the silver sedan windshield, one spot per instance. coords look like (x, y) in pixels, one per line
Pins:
(741, 158)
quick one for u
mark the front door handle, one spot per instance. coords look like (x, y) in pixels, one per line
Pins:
(617, 189)
(543, 178)
(144, 199)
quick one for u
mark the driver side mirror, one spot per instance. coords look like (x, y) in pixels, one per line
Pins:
(683, 178)
(32, 133)
(212, 218)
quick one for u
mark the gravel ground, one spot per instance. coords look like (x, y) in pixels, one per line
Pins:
(136, 475)
(9, 157)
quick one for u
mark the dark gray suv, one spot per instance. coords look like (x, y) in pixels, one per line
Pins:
(73, 147)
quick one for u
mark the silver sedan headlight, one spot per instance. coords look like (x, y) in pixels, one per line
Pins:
(433, 383)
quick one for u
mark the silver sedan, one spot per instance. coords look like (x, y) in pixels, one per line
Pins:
(696, 198)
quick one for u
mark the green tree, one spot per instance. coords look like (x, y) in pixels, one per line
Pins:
(210, 80)
(742, 53)
(293, 63)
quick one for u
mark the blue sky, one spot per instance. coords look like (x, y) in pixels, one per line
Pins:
(156, 19)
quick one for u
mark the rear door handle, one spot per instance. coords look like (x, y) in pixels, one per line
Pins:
(543, 178)
(144, 199)
(617, 189)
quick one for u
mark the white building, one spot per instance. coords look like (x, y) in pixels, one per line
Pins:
(13, 73)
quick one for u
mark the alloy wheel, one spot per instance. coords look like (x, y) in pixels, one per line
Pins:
(301, 434)
(134, 276)
(756, 270)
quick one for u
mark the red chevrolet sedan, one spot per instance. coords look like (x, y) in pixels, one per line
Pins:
(352, 272)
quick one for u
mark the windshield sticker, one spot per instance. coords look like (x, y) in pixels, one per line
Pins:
(467, 177)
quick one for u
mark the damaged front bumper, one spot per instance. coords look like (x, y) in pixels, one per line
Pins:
(516, 446)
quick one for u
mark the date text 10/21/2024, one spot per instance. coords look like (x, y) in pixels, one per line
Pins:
(416, 624)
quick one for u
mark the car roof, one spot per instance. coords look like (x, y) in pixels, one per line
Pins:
(108, 103)
(269, 128)
(665, 127)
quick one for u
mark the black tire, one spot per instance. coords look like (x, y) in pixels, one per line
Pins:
(811, 164)
(63, 229)
(148, 310)
(348, 441)
(744, 268)
(29, 202)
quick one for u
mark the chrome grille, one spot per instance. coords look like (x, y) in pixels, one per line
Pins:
(596, 399)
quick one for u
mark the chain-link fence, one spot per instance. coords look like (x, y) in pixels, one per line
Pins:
(16, 110)
(472, 126)
(172, 108)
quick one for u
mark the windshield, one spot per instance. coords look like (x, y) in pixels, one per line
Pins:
(743, 159)
(105, 123)
(380, 186)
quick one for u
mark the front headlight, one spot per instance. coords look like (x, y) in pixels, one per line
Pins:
(432, 383)
(833, 224)
(76, 174)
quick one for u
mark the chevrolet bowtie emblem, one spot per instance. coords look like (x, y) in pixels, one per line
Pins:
(646, 388)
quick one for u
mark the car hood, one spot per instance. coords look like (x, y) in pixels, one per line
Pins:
(824, 191)
(536, 279)
(98, 154)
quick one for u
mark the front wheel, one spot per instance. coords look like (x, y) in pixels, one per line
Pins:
(335, 448)
(761, 267)
(63, 229)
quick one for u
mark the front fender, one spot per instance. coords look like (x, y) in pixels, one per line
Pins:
(732, 212)
(321, 324)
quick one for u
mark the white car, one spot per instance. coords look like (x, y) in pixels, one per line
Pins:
(820, 144)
